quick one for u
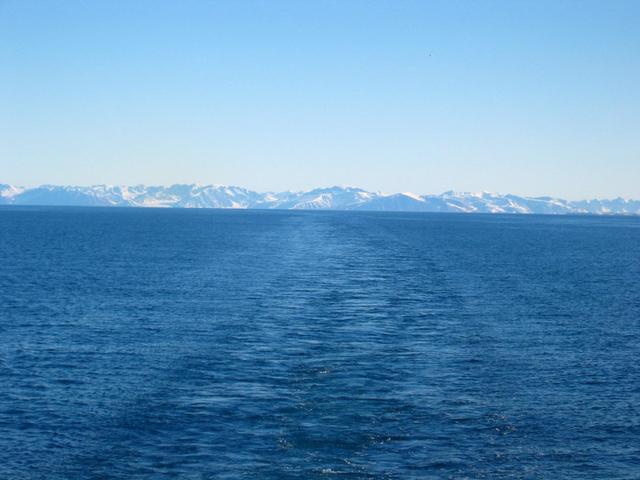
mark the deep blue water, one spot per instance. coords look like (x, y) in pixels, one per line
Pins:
(280, 345)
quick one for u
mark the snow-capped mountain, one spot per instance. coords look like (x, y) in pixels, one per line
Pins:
(333, 198)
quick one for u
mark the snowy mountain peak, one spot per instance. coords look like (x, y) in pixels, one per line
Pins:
(8, 191)
(329, 198)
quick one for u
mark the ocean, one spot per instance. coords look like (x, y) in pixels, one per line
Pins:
(224, 344)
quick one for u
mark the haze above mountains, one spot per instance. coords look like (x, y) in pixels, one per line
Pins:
(333, 198)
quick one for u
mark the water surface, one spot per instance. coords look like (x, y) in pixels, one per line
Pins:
(201, 344)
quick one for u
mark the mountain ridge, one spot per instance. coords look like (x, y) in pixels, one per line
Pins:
(328, 198)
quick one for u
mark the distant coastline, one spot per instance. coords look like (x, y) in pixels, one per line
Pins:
(332, 198)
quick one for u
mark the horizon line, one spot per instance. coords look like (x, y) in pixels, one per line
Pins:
(25, 187)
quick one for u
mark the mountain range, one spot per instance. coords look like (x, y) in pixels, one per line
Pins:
(333, 198)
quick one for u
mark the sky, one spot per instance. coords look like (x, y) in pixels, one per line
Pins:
(524, 97)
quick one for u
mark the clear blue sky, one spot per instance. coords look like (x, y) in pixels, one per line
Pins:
(527, 97)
